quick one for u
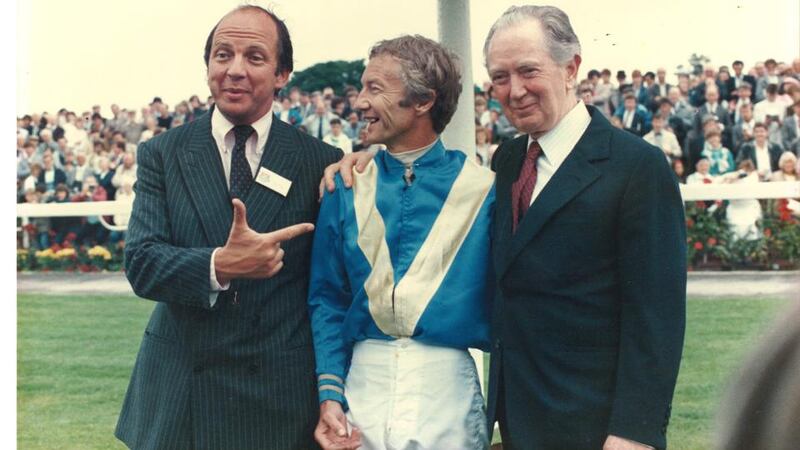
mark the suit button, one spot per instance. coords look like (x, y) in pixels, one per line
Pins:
(253, 368)
(197, 369)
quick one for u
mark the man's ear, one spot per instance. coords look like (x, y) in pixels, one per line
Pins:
(281, 78)
(425, 106)
(572, 71)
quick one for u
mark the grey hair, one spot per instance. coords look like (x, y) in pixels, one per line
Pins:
(562, 42)
(429, 71)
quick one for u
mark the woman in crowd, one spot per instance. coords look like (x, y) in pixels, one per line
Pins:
(742, 215)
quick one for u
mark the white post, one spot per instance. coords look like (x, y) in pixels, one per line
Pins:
(454, 33)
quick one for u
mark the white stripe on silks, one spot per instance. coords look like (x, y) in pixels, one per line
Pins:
(415, 290)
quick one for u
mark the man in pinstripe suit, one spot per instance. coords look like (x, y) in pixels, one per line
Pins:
(226, 361)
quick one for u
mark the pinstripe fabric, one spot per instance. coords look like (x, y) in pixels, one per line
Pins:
(238, 375)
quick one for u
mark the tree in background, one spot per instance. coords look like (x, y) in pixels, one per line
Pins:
(336, 74)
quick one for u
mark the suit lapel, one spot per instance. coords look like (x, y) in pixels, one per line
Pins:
(510, 164)
(280, 156)
(576, 173)
(205, 181)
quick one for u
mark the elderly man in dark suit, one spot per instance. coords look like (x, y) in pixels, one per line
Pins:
(218, 238)
(589, 248)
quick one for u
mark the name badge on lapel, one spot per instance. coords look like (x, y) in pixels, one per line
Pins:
(273, 181)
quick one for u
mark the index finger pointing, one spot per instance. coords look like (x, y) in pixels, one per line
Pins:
(291, 232)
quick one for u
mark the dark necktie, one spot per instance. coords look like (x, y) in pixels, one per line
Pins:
(522, 189)
(241, 174)
(319, 130)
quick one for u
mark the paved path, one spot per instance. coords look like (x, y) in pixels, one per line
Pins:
(701, 284)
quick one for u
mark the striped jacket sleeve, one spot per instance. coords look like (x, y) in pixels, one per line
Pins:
(329, 298)
(156, 269)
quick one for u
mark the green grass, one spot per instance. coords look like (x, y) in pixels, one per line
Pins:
(74, 359)
(75, 355)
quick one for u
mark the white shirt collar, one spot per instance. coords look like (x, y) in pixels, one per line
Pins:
(221, 126)
(558, 143)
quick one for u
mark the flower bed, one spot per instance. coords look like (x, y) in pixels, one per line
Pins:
(68, 258)
(712, 246)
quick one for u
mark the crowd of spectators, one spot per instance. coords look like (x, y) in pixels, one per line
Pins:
(718, 126)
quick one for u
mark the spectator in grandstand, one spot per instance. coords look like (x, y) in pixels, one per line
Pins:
(32, 180)
(743, 93)
(743, 130)
(337, 138)
(664, 139)
(660, 88)
(91, 231)
(712, 106)
(790, 130)
(126, 172)
(679, 170)
(787, 168)
(502, 129)
(701, 174)
(739, 78)
(618, 92)
(761, 152)
(633, 120)
(353, 126)
(51, 176)
(639, 89)
(725, 84)
(603, 92)
(46, 141)
(721, 158)
(131, 128)
(25, 157)
(62, 226)
(150, 129)
(124, 194)
(770, 106)
(743, 214)
(586, 94)
(482, 115)
(319, 123)
(104, 175)
(484, 150)
(82, 171)
(41, 225)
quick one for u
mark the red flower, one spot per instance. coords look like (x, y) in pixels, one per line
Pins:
(767, 232)
(786, 216)
(29, 228)
(711, 242)
(698, 245)
(689, 223)
(71, 236)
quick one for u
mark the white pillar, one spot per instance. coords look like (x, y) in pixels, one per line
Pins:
(454, 33)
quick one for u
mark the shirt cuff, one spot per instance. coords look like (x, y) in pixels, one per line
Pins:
(215, 287)
(331, 387)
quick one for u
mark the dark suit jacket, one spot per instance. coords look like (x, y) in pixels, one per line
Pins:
(789, 135)
(638, 124)
(239, 375)
(59, 177)
(748, 151)
(589, 313)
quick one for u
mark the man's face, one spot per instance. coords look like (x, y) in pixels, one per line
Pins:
(737, 69)
(534, 91)
(760, 133)
(352, 118)
(746, 112)
(712, 95)
(388, 122)
(242, 67)
(336, 129)
(127, 160)
(662, 76)
(760, 69)
(48, 162)
(630, 104)
(658, 125)
(320, 109)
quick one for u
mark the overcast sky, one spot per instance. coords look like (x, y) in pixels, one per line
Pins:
(78, 53)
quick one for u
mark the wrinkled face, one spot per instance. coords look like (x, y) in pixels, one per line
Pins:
(388, 122)
(534, 91)
(242, 67)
